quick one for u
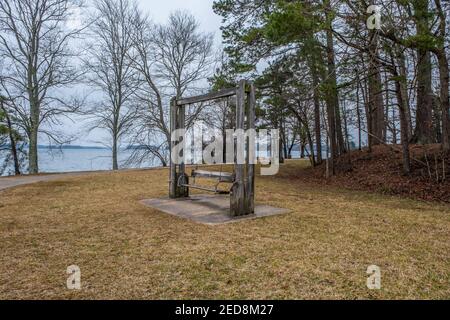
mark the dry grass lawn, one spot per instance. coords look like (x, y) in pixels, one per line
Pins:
(125, 250)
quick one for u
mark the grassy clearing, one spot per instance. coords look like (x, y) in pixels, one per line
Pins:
(125, 250)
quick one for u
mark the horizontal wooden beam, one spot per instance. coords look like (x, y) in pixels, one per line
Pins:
(209, 96)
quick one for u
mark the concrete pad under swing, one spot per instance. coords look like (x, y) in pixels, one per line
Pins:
(208, 209)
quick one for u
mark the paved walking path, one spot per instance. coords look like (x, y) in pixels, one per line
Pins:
(9, 182)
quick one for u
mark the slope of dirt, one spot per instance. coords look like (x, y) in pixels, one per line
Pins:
(381, 171)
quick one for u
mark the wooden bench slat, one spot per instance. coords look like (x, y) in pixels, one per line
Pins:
(222, 176)
(193, 186)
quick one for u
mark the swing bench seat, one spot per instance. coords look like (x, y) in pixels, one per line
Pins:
(194, 186)
(221, 176)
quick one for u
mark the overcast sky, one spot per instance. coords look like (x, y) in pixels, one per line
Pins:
(159, 11)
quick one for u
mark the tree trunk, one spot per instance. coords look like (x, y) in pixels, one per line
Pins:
(404, 92)
(386, 108)
(291, 145)
(403, 128)
(334, 114)
(311, 146)
(376, 117)
(423, 133)
(284, 138)
(115, 164)
(365, 97)
(402, 106)
(310, 142)
(358, 114)
(224, 144)
(33, 151)
(443, 77)
(282, 150)
(333, 92)
(347, 136)
(12, 141)
(332, 136)
(317, 129)
(13, 146)
(281, 153)
(331, 101)
(445, 100)
(394, 128)
(33, 166)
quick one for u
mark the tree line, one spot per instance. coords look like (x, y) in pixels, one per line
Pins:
(345, 73)
(130, 65)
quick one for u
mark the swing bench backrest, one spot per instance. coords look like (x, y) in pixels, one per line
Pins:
(219, 175)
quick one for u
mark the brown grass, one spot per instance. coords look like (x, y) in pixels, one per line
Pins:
(125, 250)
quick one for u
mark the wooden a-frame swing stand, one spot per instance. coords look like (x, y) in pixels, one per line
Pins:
(242, 191)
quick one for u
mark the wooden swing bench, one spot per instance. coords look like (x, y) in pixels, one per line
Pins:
(242, 180)
(221, 177)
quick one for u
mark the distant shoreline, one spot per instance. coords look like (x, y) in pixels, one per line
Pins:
(73, 147)
(78, 147)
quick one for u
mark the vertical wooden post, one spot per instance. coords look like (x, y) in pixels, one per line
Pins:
(250, 187)
(237, 196)
(182, 192)
(173, 167)
(177, 121)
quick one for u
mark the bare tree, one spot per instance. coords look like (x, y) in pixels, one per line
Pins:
(171, 59)
(37, 59)
(4, 133)
(151, 130)
(7, 129)
(183, 52)
(110, 63)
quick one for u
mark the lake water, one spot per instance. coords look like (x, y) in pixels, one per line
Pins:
(69, 160)
(72, 160)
